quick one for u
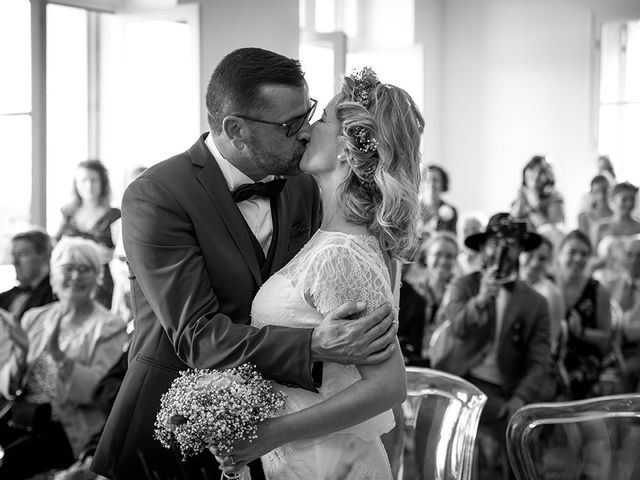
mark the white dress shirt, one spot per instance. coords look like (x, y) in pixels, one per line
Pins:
(255, 210)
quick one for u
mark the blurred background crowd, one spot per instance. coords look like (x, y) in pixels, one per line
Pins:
(564, 317)
(123, 81)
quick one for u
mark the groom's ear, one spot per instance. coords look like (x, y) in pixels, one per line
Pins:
(233, 128)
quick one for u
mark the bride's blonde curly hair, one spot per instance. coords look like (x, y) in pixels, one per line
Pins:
(380, 138)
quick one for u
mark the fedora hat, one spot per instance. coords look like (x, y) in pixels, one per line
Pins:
(504, 225)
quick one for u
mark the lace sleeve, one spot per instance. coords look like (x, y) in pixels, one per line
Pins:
(341, 273)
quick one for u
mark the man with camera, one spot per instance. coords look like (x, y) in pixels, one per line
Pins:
(500, 330)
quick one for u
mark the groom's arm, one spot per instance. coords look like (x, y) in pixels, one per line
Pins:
(168, 263)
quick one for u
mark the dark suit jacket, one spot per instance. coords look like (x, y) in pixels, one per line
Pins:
(40, 296)
(194, 274)
(524, 356)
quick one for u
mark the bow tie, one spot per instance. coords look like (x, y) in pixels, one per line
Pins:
(263, 189)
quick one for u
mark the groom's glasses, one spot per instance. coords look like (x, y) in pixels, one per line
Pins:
(294, 125)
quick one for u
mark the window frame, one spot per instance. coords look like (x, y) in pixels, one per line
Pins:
(601, 16)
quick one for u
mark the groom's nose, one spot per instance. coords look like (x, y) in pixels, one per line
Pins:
(304, 135)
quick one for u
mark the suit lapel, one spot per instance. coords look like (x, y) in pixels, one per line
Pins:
(212, 180)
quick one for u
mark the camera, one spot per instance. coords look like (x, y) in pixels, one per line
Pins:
(506, 234)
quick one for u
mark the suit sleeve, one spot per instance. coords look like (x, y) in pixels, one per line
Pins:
(538, 359)
(164, 254)
(460, 307)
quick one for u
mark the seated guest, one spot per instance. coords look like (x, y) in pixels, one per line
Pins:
(588, 315)
(626, 291)
(428, 278)
(621, 223)
(598, 205)
(65, 349)
(90, 216)
(30, 251)
(605, 168)
(435, 213)
(538, 184)
(470, 260)
(553, 212)
(534, 271)
(609, 261)
(500, 329)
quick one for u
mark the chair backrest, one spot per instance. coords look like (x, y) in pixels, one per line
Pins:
(615, 377)
(445, 411)
(440, 342)
(594, 439)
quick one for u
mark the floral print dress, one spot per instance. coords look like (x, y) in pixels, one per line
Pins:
(583, 360)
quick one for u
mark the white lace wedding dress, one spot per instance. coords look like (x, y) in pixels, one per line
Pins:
(331, 269)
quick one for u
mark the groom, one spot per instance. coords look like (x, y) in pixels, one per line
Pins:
(200, 242)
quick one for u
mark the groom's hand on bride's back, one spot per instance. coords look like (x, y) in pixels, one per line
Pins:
(344, 336)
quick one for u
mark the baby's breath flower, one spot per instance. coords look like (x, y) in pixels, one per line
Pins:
(211, 408)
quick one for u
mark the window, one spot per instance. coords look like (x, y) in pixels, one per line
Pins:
(15, 125)
(619, 96)
(67, 104)
(338, 36)
(120, 87)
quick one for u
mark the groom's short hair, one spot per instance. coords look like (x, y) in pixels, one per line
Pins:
(234, 87)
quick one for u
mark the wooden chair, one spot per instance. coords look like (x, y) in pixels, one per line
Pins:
(442, 414)
(594, 439)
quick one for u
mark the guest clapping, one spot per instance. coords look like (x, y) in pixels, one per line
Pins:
(435, 213)
(90, 216)
(65, 349)
(30, 252)
(588, 315)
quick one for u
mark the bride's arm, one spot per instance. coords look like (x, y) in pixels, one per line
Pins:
(381, 387)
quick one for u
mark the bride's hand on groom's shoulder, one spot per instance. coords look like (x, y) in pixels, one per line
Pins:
(363, 340)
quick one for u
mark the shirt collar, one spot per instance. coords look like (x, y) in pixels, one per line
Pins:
(231, 174)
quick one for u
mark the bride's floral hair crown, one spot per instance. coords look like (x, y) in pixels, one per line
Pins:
(365, 81)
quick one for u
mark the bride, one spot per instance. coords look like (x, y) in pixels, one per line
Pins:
(364, 153)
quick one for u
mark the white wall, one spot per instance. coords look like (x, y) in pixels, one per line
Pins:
(229, 24)
(515, 81)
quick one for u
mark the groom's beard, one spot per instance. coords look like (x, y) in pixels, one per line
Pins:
(276, 163)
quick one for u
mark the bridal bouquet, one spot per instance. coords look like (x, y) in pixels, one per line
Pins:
(211, 408)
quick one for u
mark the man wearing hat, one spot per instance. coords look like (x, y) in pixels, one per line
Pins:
(500, 329)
